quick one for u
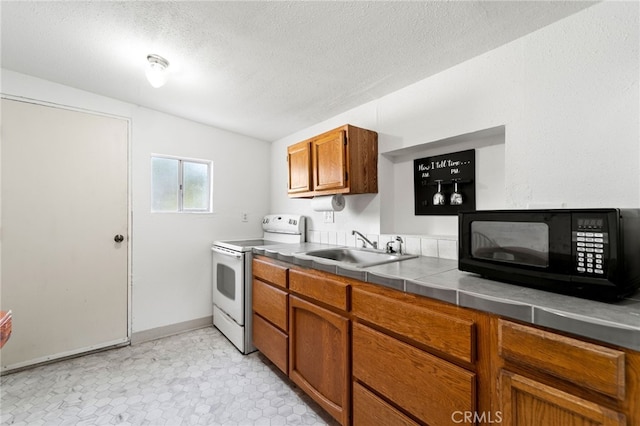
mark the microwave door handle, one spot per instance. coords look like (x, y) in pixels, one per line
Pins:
(227, 253)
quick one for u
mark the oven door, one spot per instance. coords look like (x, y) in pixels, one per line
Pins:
(228, 282)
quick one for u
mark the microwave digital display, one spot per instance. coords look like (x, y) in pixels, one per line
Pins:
(590, 223)
(522, 243)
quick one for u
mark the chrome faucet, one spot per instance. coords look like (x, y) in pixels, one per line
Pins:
(365, 240)
(390, 249)
(400, 242)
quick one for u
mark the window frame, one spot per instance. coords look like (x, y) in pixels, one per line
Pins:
(180, 192)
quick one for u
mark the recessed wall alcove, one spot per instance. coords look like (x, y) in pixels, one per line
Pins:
(396, 181)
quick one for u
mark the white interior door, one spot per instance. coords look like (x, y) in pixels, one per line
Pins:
(64, 199)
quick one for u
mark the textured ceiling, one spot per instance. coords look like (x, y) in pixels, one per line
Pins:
(264, 69)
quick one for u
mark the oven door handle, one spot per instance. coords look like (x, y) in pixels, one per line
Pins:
(227, 252)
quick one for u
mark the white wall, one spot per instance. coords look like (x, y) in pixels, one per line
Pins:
(171, 252)
(567, 96)
(171, 261)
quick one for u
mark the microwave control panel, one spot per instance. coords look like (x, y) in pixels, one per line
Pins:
(590, 245)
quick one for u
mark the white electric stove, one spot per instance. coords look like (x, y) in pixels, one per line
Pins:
(232, 276)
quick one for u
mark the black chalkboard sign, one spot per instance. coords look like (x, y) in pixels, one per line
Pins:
(436, 178)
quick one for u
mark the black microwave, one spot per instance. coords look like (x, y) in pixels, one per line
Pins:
(591, 253)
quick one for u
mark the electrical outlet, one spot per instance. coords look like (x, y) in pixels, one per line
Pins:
(245, 217)
(328, 217)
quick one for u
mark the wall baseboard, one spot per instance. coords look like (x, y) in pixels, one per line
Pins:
(170, 330)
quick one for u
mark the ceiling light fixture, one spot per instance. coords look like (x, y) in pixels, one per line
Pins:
(157, 72)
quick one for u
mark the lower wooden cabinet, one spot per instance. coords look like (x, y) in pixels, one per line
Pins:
(526, 402)
(554, 380)
(429, 388)
(270, 311)
(370, 355)
(319, 356)
(308, 342)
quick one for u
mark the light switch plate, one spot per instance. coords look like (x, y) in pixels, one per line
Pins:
(328, 217)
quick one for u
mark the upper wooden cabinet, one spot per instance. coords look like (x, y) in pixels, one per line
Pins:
(299, 164)
(340, 161)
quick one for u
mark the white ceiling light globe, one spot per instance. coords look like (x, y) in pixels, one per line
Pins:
(157, 72)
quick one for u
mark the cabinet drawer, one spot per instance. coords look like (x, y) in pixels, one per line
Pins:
(369, 410)
(270, 272)
(451, 335)
(426, 386)
(270, 303)
(592, 366)
(318, 287)
(272, 342)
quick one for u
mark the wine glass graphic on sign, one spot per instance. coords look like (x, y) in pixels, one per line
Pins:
(438, 197)
(456, 197)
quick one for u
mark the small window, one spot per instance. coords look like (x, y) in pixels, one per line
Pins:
(180, 184)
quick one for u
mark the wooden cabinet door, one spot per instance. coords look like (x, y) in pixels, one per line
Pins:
(299, 163)
(527, 402)
(329, 161)
(319, 356)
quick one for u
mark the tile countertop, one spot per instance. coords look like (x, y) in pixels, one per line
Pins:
(616, 323)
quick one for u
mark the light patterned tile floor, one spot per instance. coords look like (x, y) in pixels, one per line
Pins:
(194, 378)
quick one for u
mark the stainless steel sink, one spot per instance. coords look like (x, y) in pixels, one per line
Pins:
(359, 258)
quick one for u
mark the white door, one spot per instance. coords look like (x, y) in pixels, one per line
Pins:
(64, 200)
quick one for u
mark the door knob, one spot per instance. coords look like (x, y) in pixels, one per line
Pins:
(118, 238)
